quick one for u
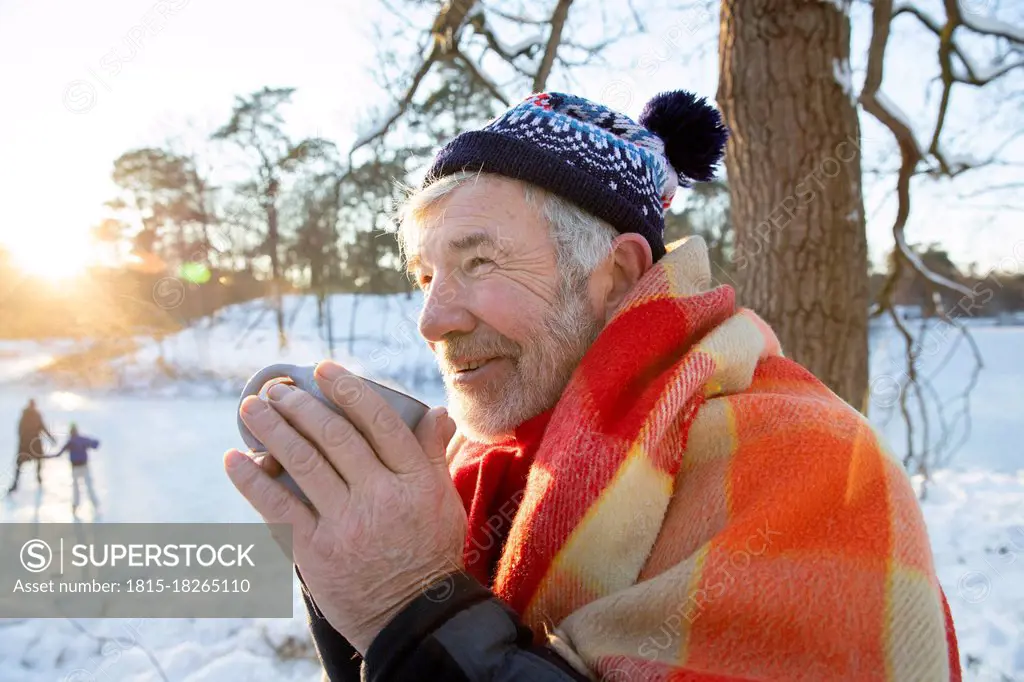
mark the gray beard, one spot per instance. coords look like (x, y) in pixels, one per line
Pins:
(540, 373)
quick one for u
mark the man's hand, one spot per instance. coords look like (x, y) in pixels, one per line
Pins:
(387, 518)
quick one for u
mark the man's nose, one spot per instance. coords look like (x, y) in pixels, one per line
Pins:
(444, 310)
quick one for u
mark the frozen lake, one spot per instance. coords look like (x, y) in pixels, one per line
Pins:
(159, 459)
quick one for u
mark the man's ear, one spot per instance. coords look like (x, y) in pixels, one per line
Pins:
(630, 258)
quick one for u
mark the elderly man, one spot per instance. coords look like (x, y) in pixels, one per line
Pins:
(634, 483)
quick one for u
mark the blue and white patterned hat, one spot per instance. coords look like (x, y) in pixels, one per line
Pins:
(621, 171)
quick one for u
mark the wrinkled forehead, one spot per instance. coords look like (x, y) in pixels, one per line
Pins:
(482, 212)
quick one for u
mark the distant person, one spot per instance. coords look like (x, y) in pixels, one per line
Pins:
(78, 447)
(30, 447)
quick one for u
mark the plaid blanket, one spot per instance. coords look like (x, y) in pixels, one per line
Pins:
(701, 508)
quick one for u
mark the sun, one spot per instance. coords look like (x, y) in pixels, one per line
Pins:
(55, 262)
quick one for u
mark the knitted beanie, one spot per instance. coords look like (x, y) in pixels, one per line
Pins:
(623, 172)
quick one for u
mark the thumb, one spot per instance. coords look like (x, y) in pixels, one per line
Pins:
(448, 429)
(434, 432)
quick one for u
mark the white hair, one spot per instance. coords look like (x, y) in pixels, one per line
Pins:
(581, 240)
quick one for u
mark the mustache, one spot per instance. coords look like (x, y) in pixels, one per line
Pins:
(458, 348)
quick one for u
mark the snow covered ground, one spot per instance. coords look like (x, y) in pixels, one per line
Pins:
(374, 335)
(162, 439)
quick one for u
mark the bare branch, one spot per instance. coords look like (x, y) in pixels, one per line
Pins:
(445, 31)
(382, 127)
(636, 17)
(491, 87)
(936, 279)
(945, 33)
(911, 354)
(992, 27)
(596, 50)
(989, 189)
(509, 54)
(558, 19)
(972, 79)
(518, 18)
(945, 62)
(401, 15)
(910, 152)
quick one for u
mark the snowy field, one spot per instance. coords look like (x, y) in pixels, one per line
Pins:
(162, 435)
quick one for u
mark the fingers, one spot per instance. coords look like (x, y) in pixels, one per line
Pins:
(311, 471)
(268, 498)
(434, 432)
(335, 437)
(270, 466)
(391, 440)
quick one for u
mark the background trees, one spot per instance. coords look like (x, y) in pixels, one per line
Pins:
(255, 210)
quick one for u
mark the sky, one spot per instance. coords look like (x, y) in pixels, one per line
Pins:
(85, 82)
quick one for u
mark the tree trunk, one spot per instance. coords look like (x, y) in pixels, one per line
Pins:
(275, 267)
(352, 324)
(330, 326)
(794, 171)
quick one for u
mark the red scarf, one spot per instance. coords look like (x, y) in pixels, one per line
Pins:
(696, 506)
(490, 481)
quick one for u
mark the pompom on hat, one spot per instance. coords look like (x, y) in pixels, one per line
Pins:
(621, 171)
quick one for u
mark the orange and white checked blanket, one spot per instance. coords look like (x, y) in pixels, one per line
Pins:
(698, 507)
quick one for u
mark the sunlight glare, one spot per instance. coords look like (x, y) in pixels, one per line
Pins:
(66, 401)
(56, 260)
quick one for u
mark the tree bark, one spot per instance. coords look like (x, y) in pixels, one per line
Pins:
(794, 170)
(275, 266)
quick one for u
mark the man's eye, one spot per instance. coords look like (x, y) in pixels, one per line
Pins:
(474, 263)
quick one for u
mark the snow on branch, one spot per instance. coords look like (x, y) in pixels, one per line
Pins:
(899, 118)
(507, 52)
(972, 74)
(887, 113)
(991, 26)
(918, 265)
(517, 18)
(842, 6)
(844, 77)
(978, 76)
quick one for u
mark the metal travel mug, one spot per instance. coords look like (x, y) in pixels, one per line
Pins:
(408, 408)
